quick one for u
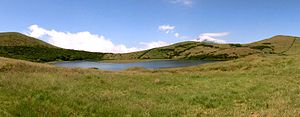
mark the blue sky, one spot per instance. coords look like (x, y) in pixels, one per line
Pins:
(135, 23)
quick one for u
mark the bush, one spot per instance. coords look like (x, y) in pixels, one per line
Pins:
(235, 45)
(261, 47)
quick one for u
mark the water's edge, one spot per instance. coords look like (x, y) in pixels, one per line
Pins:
(115, 65)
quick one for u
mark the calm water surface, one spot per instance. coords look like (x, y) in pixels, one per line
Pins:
(120, 66)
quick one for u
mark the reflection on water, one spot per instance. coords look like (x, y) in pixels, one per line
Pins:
(120, 66)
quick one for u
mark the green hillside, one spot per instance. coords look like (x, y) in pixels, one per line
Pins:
(19, 46)
(198, 50)
(18, 39)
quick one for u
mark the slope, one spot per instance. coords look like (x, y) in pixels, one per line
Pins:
(19, 46)
(18, 39)
(197, 50)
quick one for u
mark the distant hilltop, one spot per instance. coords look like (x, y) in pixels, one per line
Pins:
(19, 46)
(211, 51)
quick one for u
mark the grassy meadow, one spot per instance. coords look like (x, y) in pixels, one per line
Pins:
(257, 85)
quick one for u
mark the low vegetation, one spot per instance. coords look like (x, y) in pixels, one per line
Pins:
(256, 85)
(44, 54)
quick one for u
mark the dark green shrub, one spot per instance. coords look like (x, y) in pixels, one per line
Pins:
(235, 45)
(44, 54)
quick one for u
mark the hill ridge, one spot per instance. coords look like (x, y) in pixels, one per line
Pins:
(198, 50)
(19, 39)
(20, 46)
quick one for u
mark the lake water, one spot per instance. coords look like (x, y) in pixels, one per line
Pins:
(157, 64)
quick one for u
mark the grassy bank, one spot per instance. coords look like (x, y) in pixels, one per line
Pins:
(256, 85)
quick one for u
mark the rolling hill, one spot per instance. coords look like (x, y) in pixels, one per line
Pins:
(18, 39)
(19, 46)
(198, 50)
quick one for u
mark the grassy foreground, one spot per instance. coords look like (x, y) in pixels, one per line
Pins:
(252, 86)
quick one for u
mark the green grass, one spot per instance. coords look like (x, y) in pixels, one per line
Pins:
(264, 85)
(263, 81)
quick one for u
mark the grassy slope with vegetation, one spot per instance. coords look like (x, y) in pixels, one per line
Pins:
(19, 46)
(18, 39)
(198, 50)
(256, 85)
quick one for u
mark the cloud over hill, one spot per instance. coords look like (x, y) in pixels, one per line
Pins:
(86, 41)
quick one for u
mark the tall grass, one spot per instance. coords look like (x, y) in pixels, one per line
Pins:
(255, 85)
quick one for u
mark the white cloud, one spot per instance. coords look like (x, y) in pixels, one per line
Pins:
(85, 41)
(166, 28)
(205, 37)
(177, 35)
(169, 29)
(36, 31)
(212, 37)
(154, 44)
(183, 2)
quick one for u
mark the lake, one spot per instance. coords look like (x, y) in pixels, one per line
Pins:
(157, 64)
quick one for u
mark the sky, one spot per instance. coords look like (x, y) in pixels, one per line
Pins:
(121, 26)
